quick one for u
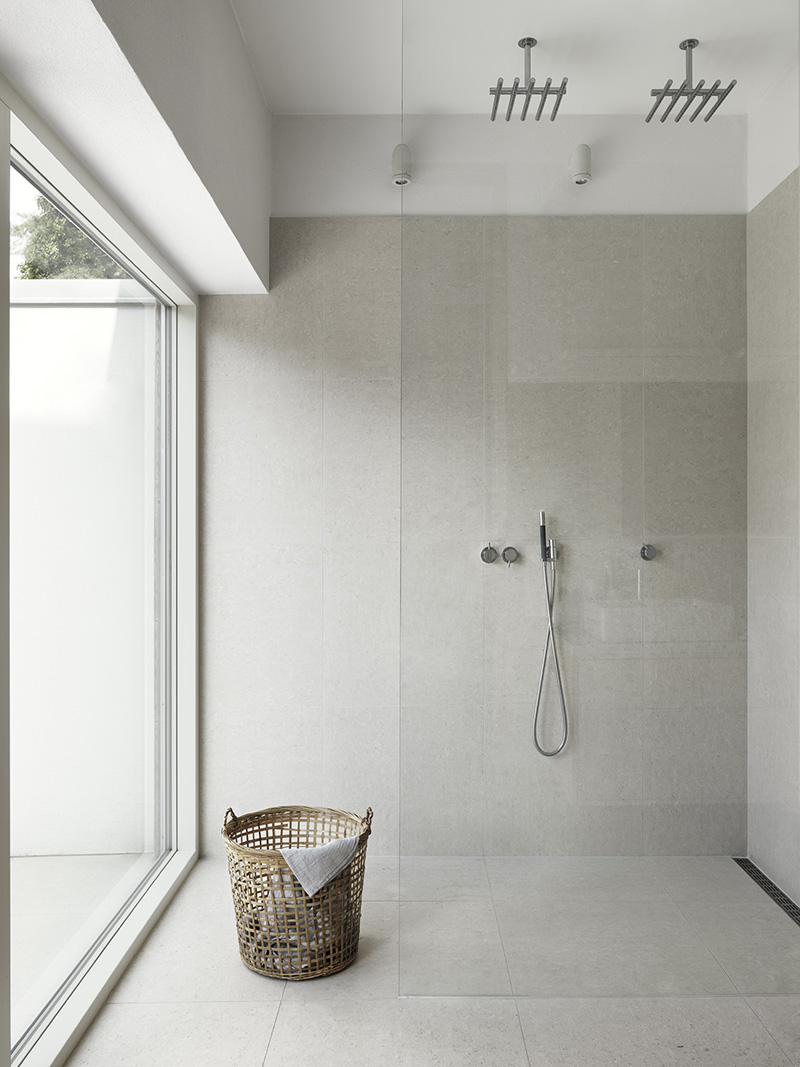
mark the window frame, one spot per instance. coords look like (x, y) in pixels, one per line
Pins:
(33, 140)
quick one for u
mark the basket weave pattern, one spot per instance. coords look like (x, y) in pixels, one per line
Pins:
(282, 931)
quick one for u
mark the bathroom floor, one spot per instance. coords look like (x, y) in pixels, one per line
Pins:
(502, 962)
(59, 904)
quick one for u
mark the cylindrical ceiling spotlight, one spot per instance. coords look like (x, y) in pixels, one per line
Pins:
(401, 165)
(580, 165)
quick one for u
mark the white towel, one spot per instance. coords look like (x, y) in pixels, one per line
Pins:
(315, 867)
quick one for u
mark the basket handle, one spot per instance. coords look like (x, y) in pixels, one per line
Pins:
(368, 820)
(233, 817)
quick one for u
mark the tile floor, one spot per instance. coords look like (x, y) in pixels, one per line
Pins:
(502, 962)
(59, 904)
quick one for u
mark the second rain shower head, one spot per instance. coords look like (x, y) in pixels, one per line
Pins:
(527, 90)
(687, 90)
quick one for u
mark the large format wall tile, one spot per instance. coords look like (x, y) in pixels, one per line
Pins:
(412, 388)
(278, 335)
(443, 457)
(262, 624)
(361, 460)
(774, 787)
(695, 449)
(563, 448)
(441, 780)
(695, 780)
(773, 314)
(443, 298)
(694, 288)
(773, 433)
(531, 801)
(442, 260)
(361, 768)
(774, 625)
(773, 260)
(694, 591)
(362, 638)
(441, 619)
(361, 298)
(262, 462)
(564, 287)
(257, 755)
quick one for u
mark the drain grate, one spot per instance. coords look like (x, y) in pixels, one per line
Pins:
(769, 887)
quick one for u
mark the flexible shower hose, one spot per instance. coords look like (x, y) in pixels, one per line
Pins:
(550, 642)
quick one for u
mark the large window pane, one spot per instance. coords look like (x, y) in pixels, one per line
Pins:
(88, 617)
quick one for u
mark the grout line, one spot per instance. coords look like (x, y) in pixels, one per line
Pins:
(772, 1036)
(400, 532)
(643, 582)
(323, 542)
(711, 952)
(274, 1024)
(522, 1030)
(499, 934)
(484, 576)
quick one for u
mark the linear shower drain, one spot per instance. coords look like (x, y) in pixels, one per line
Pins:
(769, 887)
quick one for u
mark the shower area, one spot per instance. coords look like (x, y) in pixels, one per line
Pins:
(435, 366)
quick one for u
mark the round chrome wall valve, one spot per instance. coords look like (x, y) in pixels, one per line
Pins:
(510, 555)
(489, 554)
(648, 552)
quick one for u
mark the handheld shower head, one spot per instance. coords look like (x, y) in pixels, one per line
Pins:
(543, 535)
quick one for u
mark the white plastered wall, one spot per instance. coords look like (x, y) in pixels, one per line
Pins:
(202, 201)
(773, 146)
(192, 61)
(467, 165)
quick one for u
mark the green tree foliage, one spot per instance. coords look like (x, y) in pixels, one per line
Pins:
(54, 247)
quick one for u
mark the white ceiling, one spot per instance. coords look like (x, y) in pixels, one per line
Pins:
(440, 56)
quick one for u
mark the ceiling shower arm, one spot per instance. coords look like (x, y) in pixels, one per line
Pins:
(527, 43)
(688, 46)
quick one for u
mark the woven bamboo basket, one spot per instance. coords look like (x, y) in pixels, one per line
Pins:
(282, 931)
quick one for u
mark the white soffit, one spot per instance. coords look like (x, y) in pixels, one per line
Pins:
(440, 56)
(63, 61)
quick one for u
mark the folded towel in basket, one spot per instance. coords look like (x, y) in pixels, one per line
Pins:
(315, 867)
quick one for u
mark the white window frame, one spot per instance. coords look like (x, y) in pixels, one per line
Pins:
(36, 142)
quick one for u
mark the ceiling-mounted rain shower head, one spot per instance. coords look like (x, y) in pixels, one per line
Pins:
(685, 89)
(528, 90)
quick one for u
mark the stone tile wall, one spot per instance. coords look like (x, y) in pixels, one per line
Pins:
(411, 389)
